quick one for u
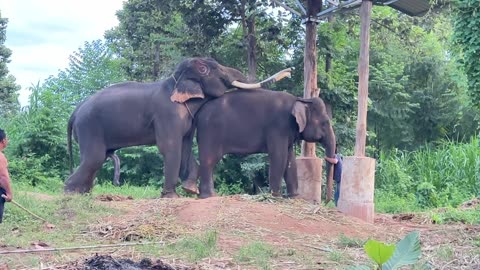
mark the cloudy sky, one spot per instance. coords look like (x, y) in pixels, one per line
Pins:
(43, 33)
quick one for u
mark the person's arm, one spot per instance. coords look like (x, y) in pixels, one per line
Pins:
(331, 160)
(5, 178)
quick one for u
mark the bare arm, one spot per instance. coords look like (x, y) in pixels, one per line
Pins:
(5, 178)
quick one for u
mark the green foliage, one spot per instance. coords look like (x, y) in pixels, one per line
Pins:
(390, 257)
(454, 215)
(427, 178)
(466, 21)
(379, 252)
(8, 88)
(407, 252)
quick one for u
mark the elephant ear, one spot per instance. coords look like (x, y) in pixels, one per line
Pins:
(185, 90)
(299, 111)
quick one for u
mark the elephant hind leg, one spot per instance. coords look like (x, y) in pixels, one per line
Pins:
(81, 181)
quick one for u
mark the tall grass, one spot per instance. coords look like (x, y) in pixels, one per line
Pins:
(446, 175)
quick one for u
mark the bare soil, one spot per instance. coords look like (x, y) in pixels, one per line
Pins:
(303, 235)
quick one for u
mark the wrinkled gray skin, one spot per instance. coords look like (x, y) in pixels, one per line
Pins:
(132, 113)
(260, 121)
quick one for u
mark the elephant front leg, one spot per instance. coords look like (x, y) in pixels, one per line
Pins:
(209, 157)
(291, 176)
(278, 162)
(172, 168)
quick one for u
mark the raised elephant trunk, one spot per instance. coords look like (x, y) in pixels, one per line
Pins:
(265, 83)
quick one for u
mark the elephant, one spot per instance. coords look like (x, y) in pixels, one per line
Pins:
(156, 113)
(262, 121)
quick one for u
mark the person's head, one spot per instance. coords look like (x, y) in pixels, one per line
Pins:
(3, 139)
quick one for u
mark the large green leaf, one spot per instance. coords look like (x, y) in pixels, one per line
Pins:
(407, 252)
(378, 251)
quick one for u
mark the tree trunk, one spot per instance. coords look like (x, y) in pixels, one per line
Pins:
(251, 49)
(249, 35)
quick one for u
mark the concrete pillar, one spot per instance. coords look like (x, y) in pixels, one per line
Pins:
(357, 187)
(309, 171)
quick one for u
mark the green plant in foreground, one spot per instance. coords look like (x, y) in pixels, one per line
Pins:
(389, 257)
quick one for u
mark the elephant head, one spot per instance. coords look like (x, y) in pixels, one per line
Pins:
(314, 123)
(200, 77)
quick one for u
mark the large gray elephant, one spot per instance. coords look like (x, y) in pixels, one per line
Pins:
(261, 121)
(161, 113)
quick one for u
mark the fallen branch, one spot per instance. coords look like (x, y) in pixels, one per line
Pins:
(21, 251)
(318, 248)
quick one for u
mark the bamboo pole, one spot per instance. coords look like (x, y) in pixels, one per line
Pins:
(23, 251)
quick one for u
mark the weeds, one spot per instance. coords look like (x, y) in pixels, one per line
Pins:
(344, 241)
(258, 253)
(195, 248)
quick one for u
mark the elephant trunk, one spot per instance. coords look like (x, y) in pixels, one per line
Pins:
(329, 143)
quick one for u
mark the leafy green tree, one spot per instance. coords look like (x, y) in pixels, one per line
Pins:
(8, 89)
(91, 68)
(466, 21)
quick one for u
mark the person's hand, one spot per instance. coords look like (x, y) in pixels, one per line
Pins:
(7, 197)
(331, 160)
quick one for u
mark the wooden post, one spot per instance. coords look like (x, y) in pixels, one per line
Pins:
(309, 167)
(363, 72)
(310, 63)
(358, 175)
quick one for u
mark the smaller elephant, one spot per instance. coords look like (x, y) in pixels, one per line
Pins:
(261, 121)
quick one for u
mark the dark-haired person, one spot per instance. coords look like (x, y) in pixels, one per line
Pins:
(337, 173)
(5, 187)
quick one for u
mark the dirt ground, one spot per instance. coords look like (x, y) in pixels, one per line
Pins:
(304, 236)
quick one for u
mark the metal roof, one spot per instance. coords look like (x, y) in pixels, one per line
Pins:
(409, 7)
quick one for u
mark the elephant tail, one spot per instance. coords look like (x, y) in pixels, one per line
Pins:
(69, 141)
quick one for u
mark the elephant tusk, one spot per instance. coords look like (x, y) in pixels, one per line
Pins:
(272, 79)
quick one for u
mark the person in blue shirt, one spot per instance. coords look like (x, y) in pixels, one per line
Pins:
(337, 173)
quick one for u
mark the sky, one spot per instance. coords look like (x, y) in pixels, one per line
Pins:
(42, 34)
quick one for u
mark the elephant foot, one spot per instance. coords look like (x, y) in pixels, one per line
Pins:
(294, 196)
(207, 195)
(170, 195)
(276, 194)
(190, 186)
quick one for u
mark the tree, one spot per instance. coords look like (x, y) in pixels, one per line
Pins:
(91, 68)
(8, 88)
(466, 21)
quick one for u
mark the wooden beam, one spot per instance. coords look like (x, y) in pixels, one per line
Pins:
(363, 73)
(287, 8)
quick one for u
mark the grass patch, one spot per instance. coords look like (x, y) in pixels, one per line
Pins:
(146, 192)
(344, 241)
(258, 253)
(455, 215)
(70, 216)
(195, 248)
